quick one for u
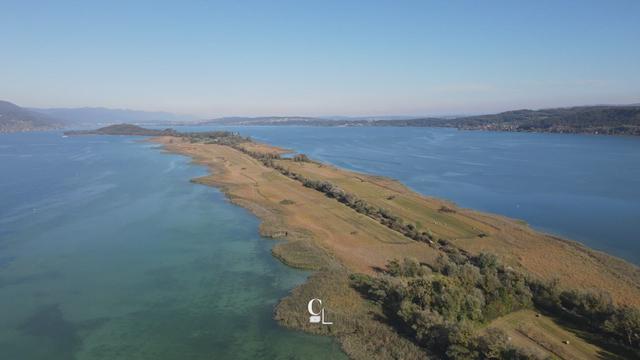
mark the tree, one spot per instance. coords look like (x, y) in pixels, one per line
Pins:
(625, 325)
(301, 158)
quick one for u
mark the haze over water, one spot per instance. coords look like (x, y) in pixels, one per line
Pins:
(583, 187)
(107, 251)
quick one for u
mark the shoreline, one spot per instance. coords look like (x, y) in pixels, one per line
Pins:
(589, 133)
(248, 183)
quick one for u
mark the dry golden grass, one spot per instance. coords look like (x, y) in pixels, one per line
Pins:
(339, 235)
(548, 338)
(548, 257)
(264, 148)
(395, 197)
(542, 255)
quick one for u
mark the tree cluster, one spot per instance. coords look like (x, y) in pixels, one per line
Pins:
(592, 310)
(216, 137)
(301, 158)
(440, 307)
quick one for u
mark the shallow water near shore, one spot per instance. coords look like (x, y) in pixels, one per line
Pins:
(582, 187)
(107, 251)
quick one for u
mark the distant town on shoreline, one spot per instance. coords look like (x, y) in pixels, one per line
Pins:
(599, 120)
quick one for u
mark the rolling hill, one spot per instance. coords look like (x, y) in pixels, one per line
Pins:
(612, 120)
(601, 119)
(91, 116)
(14, 118)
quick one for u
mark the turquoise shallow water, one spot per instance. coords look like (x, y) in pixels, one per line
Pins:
(583, 187)
(107, 251)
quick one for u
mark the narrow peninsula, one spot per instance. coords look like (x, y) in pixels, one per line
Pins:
(407, 276)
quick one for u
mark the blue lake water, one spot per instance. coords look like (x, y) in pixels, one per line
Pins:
(107, 251)
(582, 187)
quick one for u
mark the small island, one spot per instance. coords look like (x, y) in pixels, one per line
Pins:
(124, 129)
(407, 276)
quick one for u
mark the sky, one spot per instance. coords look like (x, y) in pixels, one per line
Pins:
(313, 58)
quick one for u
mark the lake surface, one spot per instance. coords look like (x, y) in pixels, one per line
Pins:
(107, 251)
(582, 187)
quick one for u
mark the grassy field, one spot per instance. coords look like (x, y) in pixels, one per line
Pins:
(553, 338)
(545, 256)
(290, 211)
(319, 233)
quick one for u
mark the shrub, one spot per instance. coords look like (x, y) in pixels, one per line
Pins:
(624, 324)
(301, 158)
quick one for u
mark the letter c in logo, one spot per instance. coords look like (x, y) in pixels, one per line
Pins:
(310, 306)
(316, 317)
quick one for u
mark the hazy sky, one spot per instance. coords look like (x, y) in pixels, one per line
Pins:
(269, 57)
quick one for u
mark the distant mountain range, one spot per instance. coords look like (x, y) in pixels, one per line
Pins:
(601, 119)
(99, 116)
(13, 118)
